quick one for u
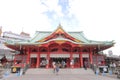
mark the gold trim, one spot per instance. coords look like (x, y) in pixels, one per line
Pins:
(60, 41)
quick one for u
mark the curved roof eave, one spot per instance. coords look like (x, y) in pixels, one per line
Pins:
(80, 36)
(76, 35)
(39, 36)
(79, 43)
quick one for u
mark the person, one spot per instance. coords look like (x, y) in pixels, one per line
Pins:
(85, 65)
(114, 67)
(72, 63)
(57, 68)
(6, 65)
(104, 70)
(94, 68)
(63, 64)
(54, 66)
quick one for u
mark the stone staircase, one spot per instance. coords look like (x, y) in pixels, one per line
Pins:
(1, 73)
(62, 71)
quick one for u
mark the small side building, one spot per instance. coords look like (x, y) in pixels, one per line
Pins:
(8, 36)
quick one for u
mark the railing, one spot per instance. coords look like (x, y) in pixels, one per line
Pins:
(26, 68)
(1, 71)
(20, 60)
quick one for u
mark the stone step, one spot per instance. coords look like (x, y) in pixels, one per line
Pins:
(61, 71)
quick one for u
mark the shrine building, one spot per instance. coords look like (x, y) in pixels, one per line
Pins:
(72, 48)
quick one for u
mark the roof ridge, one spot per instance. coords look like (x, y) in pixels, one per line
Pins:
(43, 31)
(75, 32)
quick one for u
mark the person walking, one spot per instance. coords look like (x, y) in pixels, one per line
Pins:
(54, 66)
(63, 64)
(57, 68)
(85, 65)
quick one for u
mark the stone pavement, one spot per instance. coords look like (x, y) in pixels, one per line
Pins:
(64, 74)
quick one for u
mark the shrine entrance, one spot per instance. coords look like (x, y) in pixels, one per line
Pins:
(63, 62)
(33, 62)
(86, 62)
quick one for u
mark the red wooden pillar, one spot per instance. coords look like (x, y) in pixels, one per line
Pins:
(104, 60)
(38, 59)
(81, 59)
(48, 58)
(97, 60)
(28, 56)
(15, 59)
(71, 59)
(91, 59)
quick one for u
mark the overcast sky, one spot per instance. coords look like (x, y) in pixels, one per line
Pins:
(98, 19)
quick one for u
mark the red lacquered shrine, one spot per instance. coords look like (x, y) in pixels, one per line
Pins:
(59, 46)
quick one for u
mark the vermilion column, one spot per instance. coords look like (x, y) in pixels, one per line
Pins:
(28, 56)
(91, 60)
(81, 59)
(38, 59)
(15, 59)
(48, 58)
(71, 59)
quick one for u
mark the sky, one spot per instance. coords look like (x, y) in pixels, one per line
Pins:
(98, 19)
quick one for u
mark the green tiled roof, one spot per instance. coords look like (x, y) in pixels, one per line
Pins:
(39, 35)
(79, 36)
(102, 42)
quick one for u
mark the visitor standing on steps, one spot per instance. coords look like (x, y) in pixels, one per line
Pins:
(54, 66)
(57, 68)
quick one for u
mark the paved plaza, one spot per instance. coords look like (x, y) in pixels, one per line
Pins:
(64, 74)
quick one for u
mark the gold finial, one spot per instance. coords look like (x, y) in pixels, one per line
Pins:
(59, 25)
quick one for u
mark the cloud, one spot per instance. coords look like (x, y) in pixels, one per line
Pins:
(97, 14)
(26, 14)
(53, 6)
(99, 19)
